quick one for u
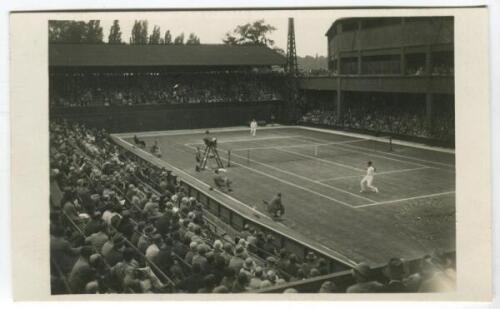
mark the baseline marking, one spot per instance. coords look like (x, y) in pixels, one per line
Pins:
(406, 199)
(381, 173)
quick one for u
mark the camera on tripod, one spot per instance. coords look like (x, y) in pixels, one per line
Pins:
(210, 151)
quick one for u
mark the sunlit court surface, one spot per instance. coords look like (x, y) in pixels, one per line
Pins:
(318, 173)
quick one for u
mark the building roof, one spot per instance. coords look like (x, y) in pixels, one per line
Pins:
(73, 55)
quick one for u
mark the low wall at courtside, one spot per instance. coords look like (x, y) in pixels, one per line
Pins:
(169, 116)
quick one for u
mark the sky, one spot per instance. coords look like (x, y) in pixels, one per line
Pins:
(211, 26)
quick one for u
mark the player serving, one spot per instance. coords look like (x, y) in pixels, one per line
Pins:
(366, 182)
(253, 127)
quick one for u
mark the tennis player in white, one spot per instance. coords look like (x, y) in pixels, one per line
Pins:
(366, 182)
(253, 127)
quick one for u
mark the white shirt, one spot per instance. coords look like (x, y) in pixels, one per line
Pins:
(370, 171)
(253, 124)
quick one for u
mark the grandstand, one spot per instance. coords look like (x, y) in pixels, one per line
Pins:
(125, 219)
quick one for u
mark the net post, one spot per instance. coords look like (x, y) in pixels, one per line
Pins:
(229, 158)
(390, 143)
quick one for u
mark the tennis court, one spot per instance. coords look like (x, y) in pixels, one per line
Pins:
(318, 174)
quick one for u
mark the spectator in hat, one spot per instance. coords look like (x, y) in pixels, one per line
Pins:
(82, 272)
(126, 227)
(112, 249)
(61, 250)
(236, 262)
(97, 240)
(256, 279)
(227, 253)
(123, 268)
(221, 182)
(208, 284)
(327, 287)
(364, 284)
(153, 249)
(188, 258)
(396, 273)
(194, 281)
(146, 238)
(240, 285)
(275, 206)
(248, 267)
(292, 268)
(268, 247)
(94, 225)
(199, 258)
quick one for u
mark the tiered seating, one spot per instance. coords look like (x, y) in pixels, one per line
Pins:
(123, 226)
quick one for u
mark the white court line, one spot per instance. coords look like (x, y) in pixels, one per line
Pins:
(405, 199)
(381, 173)
(389, 154)
(292, 184)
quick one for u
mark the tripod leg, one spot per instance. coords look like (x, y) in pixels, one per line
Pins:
(217, 158)
(204, 159)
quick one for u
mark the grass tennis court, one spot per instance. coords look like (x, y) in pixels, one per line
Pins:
(318, 174)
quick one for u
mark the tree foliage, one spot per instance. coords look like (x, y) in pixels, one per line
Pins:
(139, 32)
(155, 37)
(71, 31)
(115, 35)
(256, 33)
(179, 40)
(193, 40)
(168, 37)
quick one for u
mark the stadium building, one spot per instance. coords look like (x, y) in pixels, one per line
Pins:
(148, 87)
(396, 69)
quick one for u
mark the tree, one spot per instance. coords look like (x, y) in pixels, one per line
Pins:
(256, 33)
(71, 31)
(179, 40)
(155, 37)
(139, 32)
(168, 38)
(193, 40)
(115, 35)
(94, 32)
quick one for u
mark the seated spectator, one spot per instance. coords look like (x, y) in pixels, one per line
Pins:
(97, 240)
(396, 273)
(82, 273)
(364, 283)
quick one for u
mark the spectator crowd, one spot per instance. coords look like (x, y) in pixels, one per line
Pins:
(112, 89)
(386, 119)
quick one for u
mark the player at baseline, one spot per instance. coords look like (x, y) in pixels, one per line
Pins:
(366, 182)
(253, 127)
